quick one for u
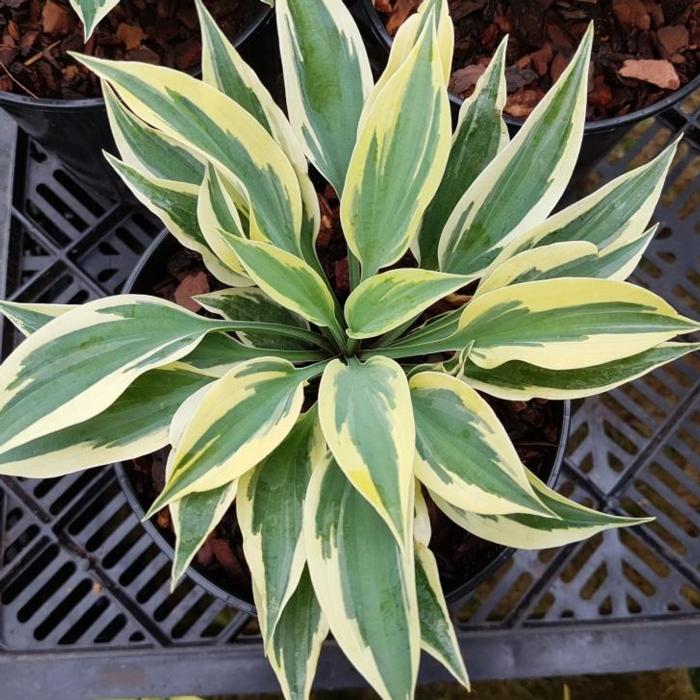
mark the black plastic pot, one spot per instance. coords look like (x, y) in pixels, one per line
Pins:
(151, 272)
(78, 130)
(598, 137)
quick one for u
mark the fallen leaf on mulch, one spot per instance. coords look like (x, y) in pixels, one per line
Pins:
(342, 275)
(8, 49)
(224, 555)
(401, 10)
(57, 19)
(13, 30)
(541, 58)
(28, 40)
(143, 53)
(518, 78)
(130, 35)
(601, 95)
(559, 64)
(521, 103)
(191, 286)
(632, 13)
(673, 39)
(188, 54)
(465, 78)
(660, 73)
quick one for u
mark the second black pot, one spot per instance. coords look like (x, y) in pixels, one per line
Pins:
(598, 137)
(149, 274)
(77, 131)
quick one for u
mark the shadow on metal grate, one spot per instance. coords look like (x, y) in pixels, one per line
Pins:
(85, 606)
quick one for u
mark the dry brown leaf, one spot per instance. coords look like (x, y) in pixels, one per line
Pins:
(56, 19)
(522, 102)
(13, 30)
(558, 66)
(130, 35)
(542, 58)
(632, 13)
(190, 286)
(673, 39)
(657, 72)
(465, 78)
(28, 40)
(402, 9)
(601, 94)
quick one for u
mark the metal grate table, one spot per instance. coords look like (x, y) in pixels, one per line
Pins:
(85, 608)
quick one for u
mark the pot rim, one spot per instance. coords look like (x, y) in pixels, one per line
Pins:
(199, 576)
(590, 127)
(262, 16)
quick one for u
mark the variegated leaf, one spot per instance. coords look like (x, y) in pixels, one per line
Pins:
(481, 134)
(364, 582)
(175, 203)
(569, 259)
(270, 512)
(212, 125)
(241, 419)
(327, 78)
(76, 366)
(566, 323)
(438, 636)
(397, 163)
(365, 412)
(30, 317)
(574, 522)
(616, 213)
(539, 263)
(463, 452)
(290, 281)
(219, 220)
(296, 643)
(422, 529)
(194, 518)
(144, 148)
(196, 515)
(218, 352)
(252, 304)
(385, 301)
(91, 12)
(223, 68)
(435, 331)
(135, 424)
(406, 38)
(521, 187)
(519, 381)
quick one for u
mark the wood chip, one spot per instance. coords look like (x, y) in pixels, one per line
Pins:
(657, 72)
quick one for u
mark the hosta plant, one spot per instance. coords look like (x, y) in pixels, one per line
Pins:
(331, 424)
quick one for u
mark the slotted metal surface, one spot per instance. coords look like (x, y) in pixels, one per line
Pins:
(85, 590)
